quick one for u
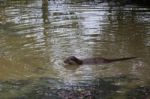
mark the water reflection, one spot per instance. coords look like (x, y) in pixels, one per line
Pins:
(36, 36)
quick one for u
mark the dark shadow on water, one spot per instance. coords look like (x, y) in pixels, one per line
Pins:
(52, 88)
(139, 93)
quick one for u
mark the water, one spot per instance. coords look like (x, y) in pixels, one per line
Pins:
(36, 36)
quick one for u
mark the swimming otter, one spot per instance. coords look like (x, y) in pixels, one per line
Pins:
(72, 60)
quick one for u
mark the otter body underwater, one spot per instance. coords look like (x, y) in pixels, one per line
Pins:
(72, 60)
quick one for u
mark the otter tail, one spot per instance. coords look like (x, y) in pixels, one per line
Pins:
(119, 59)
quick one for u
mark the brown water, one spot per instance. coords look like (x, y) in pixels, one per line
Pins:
(36, 36)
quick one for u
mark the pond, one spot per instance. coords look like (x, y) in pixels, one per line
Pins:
(36, 36)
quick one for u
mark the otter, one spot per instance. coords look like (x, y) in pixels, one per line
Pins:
(72, 60)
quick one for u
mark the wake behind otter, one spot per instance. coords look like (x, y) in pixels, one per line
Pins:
(99, 60)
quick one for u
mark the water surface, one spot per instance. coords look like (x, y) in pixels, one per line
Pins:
(36, 36)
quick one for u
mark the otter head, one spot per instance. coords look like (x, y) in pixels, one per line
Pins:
(72, 60)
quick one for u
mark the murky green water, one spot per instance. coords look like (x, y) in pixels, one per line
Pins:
(36, 36)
